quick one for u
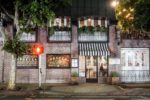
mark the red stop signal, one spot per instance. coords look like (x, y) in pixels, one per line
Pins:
(38, 49)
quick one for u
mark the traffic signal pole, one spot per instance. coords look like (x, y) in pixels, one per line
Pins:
(40, 71)
(38, 50)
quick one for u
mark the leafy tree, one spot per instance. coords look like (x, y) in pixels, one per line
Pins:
(133, 15)
(24, 15)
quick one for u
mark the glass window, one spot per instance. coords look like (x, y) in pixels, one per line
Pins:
(27, 61)
(74, 62)
(135, 58)
(58, 61)
(60, 30)
(92, 29)
(91, 66)
(135, 65)
(28, 37)
(102, 66)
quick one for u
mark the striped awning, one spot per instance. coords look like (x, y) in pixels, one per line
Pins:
(93, 49)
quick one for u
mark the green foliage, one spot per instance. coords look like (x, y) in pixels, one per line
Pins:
(15, 46)
(142, 15)
(74, 74)
(133, 15)
(92, 29)
(39, 12)
(57, 28)
(114, 74)
(125, 14)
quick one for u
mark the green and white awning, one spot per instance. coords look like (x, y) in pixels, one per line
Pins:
(93, 49)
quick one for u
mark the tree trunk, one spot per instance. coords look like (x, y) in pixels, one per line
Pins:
(12, 75)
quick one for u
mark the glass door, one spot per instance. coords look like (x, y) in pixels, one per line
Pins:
(91, 69)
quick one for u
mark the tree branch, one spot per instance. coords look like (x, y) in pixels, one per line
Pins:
(5, 11)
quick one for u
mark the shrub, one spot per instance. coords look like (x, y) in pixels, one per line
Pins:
(74, 74)
(114, 74)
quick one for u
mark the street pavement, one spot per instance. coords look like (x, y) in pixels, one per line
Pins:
(78, 92)
(75, 97)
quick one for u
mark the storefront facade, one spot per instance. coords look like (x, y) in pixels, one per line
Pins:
(85, 43)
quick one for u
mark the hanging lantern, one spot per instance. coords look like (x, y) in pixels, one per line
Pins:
(99, 22)
(69, 22)
(59, 21)
(79, 22)
(92, 21)
(65, 21)
(55, 21)
(106, 23)
(85, 21)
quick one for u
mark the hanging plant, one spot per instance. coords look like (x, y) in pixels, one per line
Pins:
(57, 28)
(91, 29)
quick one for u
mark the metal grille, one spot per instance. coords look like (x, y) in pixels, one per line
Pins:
(135, 76)
(60, 36)
(97, 36)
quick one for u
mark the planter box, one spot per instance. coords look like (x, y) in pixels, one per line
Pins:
(74, 80)
(113, 80)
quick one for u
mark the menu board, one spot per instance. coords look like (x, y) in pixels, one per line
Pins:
(27, 61)
(57, 61)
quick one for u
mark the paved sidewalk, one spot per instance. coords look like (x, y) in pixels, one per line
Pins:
(86, 88)
(81, 89)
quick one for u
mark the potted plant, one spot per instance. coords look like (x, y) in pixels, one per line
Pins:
(114, 77)
(74, 78)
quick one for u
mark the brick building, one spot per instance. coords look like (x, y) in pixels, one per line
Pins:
(82, 39)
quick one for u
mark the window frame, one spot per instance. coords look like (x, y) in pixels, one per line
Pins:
(29, 41)
(54, 67)
(28, 67)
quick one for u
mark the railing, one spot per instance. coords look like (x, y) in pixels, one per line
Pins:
(135, 76)
(60, 36)
(96, 36)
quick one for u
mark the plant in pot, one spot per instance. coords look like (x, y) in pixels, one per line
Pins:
(114, 77)
(74, 78)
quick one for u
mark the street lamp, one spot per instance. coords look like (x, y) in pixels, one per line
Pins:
(114, 3)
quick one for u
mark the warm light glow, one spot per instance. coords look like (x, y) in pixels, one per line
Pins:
(124, 10)
(128, 15)
(131, 18)
(119, 13)
(131, 9)
(114, 3)
(89, 20)
(38, 50)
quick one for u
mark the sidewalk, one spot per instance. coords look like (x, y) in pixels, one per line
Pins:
(81, 89)
(85, 88)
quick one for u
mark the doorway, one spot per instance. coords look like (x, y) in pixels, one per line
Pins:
(91, 69)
